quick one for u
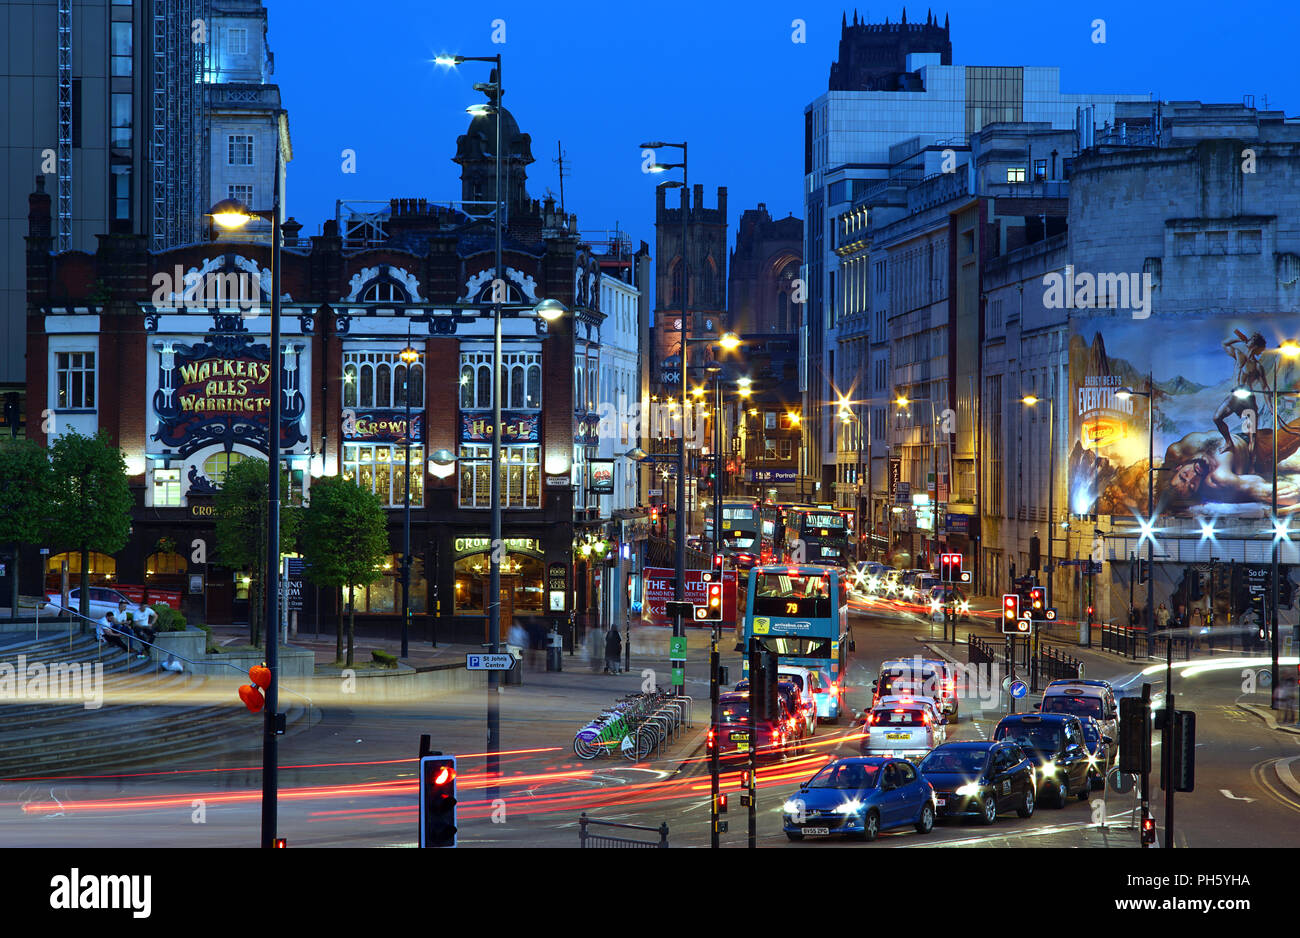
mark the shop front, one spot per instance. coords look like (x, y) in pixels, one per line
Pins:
(523, 591)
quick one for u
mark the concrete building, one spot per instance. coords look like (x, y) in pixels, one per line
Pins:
(901, 123)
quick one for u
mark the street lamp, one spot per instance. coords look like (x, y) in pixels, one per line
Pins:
(409, 357)
(1030, 400)
(233, 214)
(679, 583)
(495, 88)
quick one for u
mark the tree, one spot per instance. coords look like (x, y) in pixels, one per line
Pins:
(344, 542)
(90, 502)
(240, 509)
(25, 478)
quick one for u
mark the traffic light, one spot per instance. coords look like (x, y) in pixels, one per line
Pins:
(1134, 735)
(711, 611)
(438, 801)
(1143, 571)
(1035, 553)
(1010, 614)
(722, 803)
(1183, 738)
(1037, 602)
(950, 568)
(1148, 830)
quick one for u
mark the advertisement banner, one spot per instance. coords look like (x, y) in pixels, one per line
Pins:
(657, 584)
(364, 426)
(1210, 380)
(515, 428)
(773, 475)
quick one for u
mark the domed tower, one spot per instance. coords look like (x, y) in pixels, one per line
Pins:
(476, 154)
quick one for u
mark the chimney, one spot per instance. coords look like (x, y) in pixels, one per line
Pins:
(722, 203)
(38, 211)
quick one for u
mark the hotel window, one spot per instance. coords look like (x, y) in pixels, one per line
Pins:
(1040, 170)
(121, 40)
(241, 194)
(238, 40)
(521, 485)
(1015, 174)
(381, 468)
(76, 376)
(239, 149)
(119, 136)
(166, 488)
(377, 379)
(521, 372)
(786, 449)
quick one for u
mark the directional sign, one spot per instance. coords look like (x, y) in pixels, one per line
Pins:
(489, 662)
(1018, 689)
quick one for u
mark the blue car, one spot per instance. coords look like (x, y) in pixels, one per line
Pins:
(859, 798)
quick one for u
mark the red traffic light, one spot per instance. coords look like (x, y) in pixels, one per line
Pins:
(252, 698)
(260, 675)
(1037, 598)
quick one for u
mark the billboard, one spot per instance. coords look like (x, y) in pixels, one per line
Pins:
(657, 583)
(1210, 383)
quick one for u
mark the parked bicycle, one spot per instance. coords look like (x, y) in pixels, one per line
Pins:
(637, 724)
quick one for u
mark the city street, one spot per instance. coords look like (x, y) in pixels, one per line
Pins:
(350, 779)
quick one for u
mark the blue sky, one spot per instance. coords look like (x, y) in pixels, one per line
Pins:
(602, 77)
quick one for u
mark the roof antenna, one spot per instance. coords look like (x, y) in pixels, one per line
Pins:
(560, 161)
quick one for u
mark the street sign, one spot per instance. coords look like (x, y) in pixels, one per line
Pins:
(294, 568)
(489, 662)
(1050, 614)
(677, 648)
(1018, 689)
(656, 493)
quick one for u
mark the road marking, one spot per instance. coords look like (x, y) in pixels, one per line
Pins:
(1230, 795)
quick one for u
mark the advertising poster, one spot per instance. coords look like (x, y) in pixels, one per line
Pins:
(1211, 383)
(658, 589)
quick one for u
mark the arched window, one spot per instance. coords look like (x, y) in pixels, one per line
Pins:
(217, 465)
(466, 386)
(399, 385)
(517, 386)
(164, 562)
(484, 396)
(534, 386)
(675, 291)
(384, 386)
(367, 386)
(384, 291)
(417, 386)
(350, 386)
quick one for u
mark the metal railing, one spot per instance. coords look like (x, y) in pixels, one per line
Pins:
(1055, 665)
(587, 839)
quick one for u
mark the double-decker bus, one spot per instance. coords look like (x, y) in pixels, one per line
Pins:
(748, 532)
(817, 535)
(799, 612)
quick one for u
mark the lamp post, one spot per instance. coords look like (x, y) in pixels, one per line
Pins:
(442, 463)
(1166, 734)
(1030, 400)
(232, 214)
(409, 357)
(903, 401)
(679, 581)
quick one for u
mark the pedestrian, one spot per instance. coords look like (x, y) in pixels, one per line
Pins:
(125, 620)
(145, 623)
(1133, 617)
(613, 650)
(107, 629)
(1287, 699)
(1162, 617)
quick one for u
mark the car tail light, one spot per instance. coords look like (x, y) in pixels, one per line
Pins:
(925, 718)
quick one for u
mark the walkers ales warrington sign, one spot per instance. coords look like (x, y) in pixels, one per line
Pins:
(218, 391)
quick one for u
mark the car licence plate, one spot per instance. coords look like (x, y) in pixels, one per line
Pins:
(742, 745)
(816, 830)
(940, 801)
(895, 736)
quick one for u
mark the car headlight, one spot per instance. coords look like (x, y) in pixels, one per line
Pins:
(1048, 768)
(849, 807)
(965, 606)
(792, 807)
(969, 790)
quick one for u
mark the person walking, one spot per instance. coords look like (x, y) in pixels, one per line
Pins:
(613, 650)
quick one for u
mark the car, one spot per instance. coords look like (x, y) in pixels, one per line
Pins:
(1100, 748)
(904, 727)
(807, 681)
(732, 734)
(980, 779)
(103, 599)
(1055, 743)
(800, 722)
(1095, 699)
(935, 679)
(941, 594)
(860, 797)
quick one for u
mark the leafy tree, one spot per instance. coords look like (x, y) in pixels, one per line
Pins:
(90, 502)
(344, 542)
(25, 479)
(240, 510)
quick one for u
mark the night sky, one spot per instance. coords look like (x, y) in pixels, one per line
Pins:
(603, 77)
